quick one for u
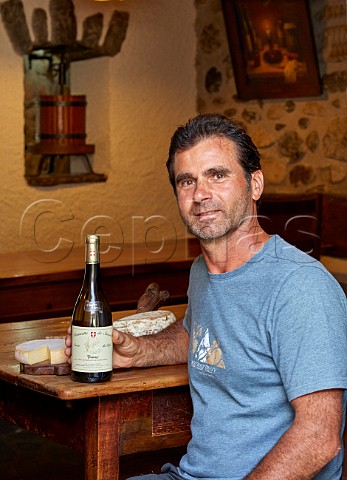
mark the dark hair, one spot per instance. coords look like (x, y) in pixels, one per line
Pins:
(213, 125)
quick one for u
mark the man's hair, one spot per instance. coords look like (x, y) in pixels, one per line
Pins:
(209, 125)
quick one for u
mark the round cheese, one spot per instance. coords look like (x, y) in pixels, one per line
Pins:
(50, 350)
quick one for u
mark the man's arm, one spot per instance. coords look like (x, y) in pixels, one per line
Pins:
(310, 443)
(168, 347)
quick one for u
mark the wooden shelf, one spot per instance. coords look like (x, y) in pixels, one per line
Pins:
(59, 149)
(43, 180)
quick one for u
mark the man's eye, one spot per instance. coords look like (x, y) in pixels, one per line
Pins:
(188, 182)
(218, 176)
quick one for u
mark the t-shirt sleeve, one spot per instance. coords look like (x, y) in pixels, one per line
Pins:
(193, 274)
(309, 332)
(187, 318)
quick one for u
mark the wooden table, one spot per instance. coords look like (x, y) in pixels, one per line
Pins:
(138, 410)
(40, 284)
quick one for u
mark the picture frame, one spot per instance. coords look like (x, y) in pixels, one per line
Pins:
(272, 48)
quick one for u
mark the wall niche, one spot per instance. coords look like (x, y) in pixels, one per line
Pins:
(54, 120)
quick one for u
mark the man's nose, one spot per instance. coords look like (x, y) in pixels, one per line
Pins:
(202, 191)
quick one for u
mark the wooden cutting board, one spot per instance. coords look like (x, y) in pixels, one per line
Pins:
(45, 368)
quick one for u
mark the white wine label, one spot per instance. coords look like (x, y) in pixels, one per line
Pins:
(93, 306)
(91, 349)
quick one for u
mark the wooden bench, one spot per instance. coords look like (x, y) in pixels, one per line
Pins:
(36, 285)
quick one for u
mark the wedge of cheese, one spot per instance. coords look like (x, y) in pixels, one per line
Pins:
(50, 350)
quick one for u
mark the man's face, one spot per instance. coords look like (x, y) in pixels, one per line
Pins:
(213, 195)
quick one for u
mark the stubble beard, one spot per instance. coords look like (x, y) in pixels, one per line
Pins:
(231, 222)
(211, 231)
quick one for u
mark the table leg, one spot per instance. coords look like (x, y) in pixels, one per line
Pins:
(102, 430)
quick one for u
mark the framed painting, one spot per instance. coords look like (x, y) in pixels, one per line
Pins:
(272, 48)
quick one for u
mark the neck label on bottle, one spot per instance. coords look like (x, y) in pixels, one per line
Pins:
(92, 255)
(92, 249)
(93, 307)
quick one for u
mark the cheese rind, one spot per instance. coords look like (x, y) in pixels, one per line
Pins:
(34, 354)
(50, 350)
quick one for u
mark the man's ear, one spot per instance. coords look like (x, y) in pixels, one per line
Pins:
(257, 184)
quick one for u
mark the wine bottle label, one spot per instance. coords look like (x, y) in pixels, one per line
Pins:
(92, 349)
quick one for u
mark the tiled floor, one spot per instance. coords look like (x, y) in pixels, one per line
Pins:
(25, 456)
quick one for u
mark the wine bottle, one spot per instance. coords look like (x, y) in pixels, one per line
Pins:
(91, 358)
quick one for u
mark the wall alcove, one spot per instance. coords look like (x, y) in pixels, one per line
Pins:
(54, 120)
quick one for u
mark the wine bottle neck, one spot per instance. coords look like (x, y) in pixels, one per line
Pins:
(92, 253)
(92, 274)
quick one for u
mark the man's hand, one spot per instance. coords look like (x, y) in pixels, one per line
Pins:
(125, 348)
(68, 344)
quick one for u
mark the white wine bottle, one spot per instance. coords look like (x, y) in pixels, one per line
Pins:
(91, 358)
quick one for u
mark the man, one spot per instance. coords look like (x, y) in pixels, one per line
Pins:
(265, 332)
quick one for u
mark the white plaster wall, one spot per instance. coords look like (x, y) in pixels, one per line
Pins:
(135, 101)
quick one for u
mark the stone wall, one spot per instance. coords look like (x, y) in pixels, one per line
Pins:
(303, 141)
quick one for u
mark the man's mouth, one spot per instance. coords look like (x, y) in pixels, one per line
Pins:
(207, 215)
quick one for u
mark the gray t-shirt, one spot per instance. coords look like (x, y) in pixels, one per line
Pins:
(266, 333)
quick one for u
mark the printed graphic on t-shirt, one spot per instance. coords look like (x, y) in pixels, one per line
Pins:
(206, 351)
